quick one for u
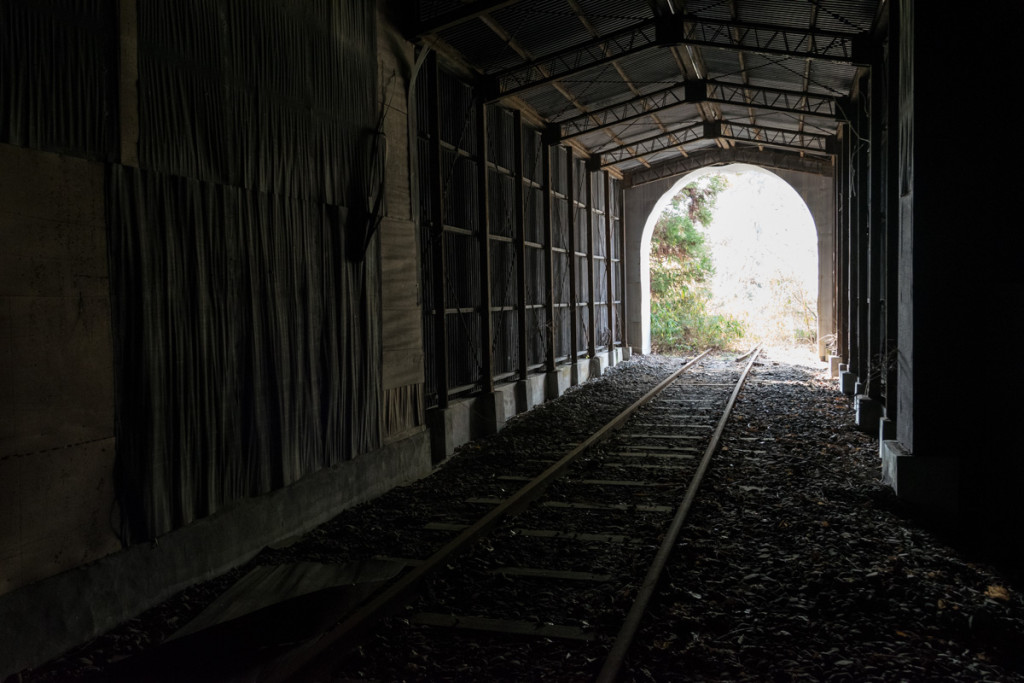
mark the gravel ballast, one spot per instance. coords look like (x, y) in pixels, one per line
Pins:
(796, 563)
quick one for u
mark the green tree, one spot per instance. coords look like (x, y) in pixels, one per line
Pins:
(681, 269)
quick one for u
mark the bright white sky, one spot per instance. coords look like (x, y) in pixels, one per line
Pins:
(761, 229)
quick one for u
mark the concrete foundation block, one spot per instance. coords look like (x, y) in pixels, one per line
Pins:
(557, 381)
(597, 365)
(464, 420)
(506, 396)
(529, 392)
(580, 373)
(930, 484)
(886, 432)
(847, 382)
(868, 412)
(488, 414)
(833, 366)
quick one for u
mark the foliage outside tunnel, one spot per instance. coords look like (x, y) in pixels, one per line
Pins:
(681, 269)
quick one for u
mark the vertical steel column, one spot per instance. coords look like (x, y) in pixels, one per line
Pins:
(549, 259)
(609, 262)
(876, 336)
(437, 237)
(863, 227)
(850, 264)
(892, 224)
(570, 199)
(520, 240)
(838, 251)
(484, 231)
(623, 319)
(592, 312)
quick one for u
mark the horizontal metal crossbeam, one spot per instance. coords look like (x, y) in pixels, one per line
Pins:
(759, 135)
(692, 92)
(772, 99)
(767, 39)
(650, 145)
(573, 60)
(845, 48)
(784, 159)
(773, 137)
(623, 112)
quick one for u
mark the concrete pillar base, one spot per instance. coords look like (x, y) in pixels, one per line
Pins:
(833, 366)
(557, 381)
(478, 416)
(930, 484)
(847, 382)
(886, 432)
(465, 420)
(529, 392)
(869, 413)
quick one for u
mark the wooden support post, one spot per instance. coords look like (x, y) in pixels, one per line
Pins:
(484, 233)
(609, 262)
(520, 241)
(592, 312)
(439, 276)
(570, 201)
(549, 259)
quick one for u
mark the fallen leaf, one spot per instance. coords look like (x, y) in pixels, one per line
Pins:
(997, 592)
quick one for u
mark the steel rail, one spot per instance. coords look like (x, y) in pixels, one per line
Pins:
(310, 660)
(624, 639)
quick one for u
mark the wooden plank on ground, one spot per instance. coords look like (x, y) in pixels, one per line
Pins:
(576, 536)
(519, 628)
(605, 506)
(552, 574)
(655, 454)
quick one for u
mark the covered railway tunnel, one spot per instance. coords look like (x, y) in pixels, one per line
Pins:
(262, 262)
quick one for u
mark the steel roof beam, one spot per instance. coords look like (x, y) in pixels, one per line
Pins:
(772, 99)
(773, 137)
(766, 39)
(667, 31)
(466, 13)
(708, 130)
(785, 159)
(574, 60)
(692, 92)
(652, 144)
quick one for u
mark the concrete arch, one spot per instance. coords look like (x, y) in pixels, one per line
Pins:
(644, 203)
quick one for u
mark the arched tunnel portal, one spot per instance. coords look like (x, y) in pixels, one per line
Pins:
(645, 198)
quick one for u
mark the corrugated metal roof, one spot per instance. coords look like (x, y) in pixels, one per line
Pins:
(564, 58)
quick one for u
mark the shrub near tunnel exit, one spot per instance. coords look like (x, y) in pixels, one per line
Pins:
(681, 269)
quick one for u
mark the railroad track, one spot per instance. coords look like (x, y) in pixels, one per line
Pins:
(562, 561)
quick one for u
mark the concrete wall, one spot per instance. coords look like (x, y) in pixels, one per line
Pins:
(64, 577)
(57, 401)
(642, 202)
